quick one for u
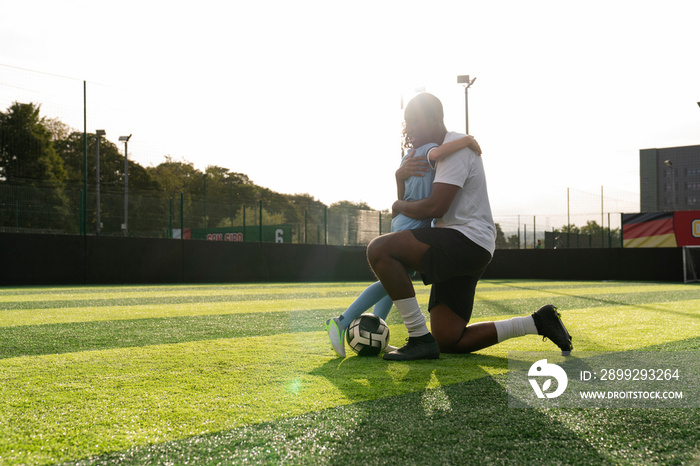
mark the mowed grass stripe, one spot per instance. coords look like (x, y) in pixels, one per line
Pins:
(233, 293)
(112, 289)
(524, 306)
(521, 292)
(174, 296)
(89, 336)
(87, 314)
(485, 305)
(624, 327)
(122, 333)
(569, 284)
(25, 293)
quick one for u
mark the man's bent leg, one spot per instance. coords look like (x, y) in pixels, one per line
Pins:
(455, 336)
(390, 257)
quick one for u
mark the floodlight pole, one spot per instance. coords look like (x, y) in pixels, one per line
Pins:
(98, 134)
(125, 226)
(83, 223)
(464, 79)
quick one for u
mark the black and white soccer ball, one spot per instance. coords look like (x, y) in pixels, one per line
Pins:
(367, 335)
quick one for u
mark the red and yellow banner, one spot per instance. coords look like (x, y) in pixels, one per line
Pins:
(652, 230)
(661, 229)
(687, 227)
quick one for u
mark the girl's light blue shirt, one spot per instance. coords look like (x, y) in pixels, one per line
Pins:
(417, 188)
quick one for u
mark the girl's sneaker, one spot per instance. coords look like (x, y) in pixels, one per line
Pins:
(336, 336)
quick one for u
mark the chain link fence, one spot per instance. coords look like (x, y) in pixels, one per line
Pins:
(53, 209)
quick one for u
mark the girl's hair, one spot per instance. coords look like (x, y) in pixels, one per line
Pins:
(428, 105)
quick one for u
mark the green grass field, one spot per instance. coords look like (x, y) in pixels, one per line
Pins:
(222, 374)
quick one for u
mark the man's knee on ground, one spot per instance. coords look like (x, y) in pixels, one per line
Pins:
(447, 328)
(447, 337)
(447, 342)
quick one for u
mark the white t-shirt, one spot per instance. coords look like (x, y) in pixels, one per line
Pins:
(470, 211)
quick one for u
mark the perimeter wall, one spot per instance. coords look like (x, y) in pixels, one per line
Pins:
(27, 259)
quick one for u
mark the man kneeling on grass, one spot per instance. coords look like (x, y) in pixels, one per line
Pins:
(452, 256)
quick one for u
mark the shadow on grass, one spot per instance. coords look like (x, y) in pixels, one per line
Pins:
(469, 423)
(366, 378)
(437, 421)
(32, 340)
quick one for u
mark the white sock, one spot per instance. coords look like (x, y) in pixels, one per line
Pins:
(412, 316)
(515, 327)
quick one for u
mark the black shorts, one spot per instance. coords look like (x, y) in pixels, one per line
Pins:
(453, 265)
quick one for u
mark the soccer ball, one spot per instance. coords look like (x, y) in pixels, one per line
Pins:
(367, 335)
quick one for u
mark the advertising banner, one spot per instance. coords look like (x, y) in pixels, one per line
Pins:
(649, 230)
(269, 234)
(661, 229)
(687, 227)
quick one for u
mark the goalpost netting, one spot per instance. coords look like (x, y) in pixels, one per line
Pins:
(691, 263)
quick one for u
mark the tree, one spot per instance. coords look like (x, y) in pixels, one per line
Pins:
(147, 205)
(26, 151)
(311, 213)
(591, 228)
(175, 177)
(58, 129)
(217, 196)
(32, 172)
(592, 233)
(573, 229)
(50, 153)
(351, 205)
(513, 242)
(500, 238)
(70, 150)
(251, 218)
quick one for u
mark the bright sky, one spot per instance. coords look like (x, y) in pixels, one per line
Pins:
(304, 96)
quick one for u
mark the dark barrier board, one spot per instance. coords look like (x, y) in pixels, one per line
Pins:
(27, 259)
(41, 259)
(113, 259)
(646, 264)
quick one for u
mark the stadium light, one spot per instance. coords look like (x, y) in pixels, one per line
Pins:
(125, 225)
(98, 134)
(464, 79)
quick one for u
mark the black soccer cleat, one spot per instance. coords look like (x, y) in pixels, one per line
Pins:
(423, 347)
(549, 325)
